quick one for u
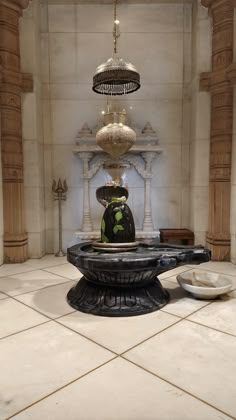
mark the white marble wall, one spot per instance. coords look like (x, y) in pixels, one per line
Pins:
(75, 39)
(200, 127)
(32, 132)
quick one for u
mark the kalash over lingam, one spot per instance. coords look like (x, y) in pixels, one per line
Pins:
(120, 275)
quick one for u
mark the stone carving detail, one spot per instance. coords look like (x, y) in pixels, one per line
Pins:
(146, 147)
(217, 82)
(12, 83)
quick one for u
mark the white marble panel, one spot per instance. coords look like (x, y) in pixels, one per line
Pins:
(69, 116)
(61, 18)
(185, 207)
(200, 238)
(133, 18)
(49, 249)
(47, 122)
(62, 50)
(188, 15)
(165, 117)
(200, 151)
(67, 165)
(185, 164)
(27, 45)
(45, 91)
(43, 18)
(34, 202)
(167, 167)
(202, 44)
(201, 115)
(186, 119)
(161, 18)
(95, 18)
(166, 207)
(36, 244)
(187, 64)
(44, 62)
(72, 210)
(99, 179)
(29, 127)
(166, 50)
(92, 49)
(199, 208)
(132, 46)
(136, 203)
(49, 206)
(33, 164)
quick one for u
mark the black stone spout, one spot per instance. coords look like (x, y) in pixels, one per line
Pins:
(126, 283)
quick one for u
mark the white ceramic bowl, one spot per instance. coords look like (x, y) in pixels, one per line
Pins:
(218, 284)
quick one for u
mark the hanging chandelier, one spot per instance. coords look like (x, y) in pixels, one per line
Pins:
(116, 76)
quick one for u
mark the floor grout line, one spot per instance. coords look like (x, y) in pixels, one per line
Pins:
(62, 387)
(210, 328)
(41, 288)
(178, 387)
(26, 329)
(88, 338)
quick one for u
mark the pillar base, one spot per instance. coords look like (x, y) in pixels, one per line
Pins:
(15, 249)
(220, 249)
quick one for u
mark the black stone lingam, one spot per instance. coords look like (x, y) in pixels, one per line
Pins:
(119, 274)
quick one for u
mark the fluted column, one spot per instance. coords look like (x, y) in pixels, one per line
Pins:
(12, 84)
(218, 83)
(147, 221)
(87, 223)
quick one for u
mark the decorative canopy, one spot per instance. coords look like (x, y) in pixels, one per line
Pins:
(116, 76)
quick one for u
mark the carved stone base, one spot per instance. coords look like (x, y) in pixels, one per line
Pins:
(220, 250)
(117, 301)
(15, 250)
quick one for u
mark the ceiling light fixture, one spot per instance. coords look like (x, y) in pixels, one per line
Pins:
(116, 76)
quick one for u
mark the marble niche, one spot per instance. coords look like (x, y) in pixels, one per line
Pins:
(140, 157)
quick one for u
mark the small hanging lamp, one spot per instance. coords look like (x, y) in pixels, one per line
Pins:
(116, 76)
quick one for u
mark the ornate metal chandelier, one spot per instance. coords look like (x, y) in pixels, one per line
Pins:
(116, 76)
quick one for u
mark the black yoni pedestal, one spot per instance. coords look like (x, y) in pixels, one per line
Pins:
(126, 283)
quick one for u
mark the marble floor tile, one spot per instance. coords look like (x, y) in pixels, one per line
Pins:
(66, 270)
(118, 334)
(41, 360)
(3, 296)
(16, 317)
(195, 358)
(181, 303)
(50, 301)
(120, 390)
(27, 282)
(11, 269)
(47, 261)
(217, 267)
(220, 314)
(173, 272)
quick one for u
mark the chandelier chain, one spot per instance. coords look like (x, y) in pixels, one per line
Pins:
(116, 33)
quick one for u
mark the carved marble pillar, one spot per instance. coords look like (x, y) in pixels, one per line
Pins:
(86, 223)
(12, 84)
(147, 221)
(217, 82)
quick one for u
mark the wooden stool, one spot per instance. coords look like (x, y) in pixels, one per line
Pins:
(183, 236)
